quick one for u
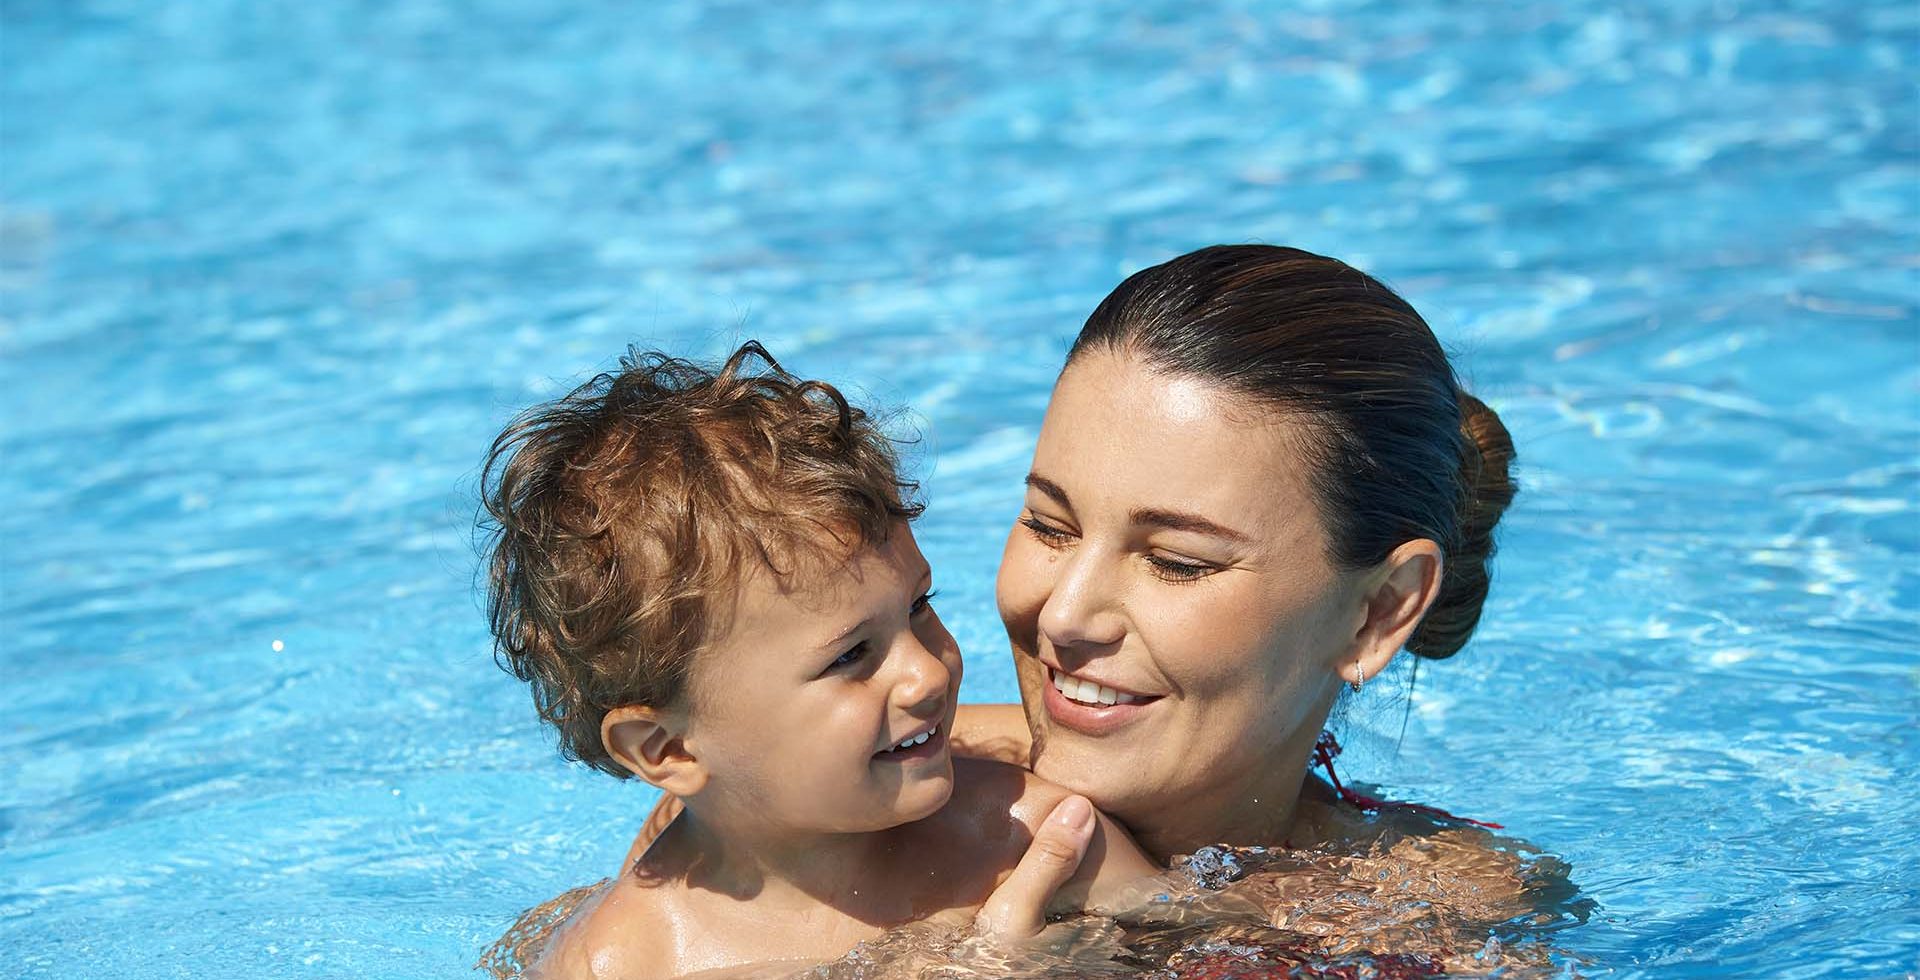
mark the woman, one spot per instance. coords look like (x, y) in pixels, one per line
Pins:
(1257, 482)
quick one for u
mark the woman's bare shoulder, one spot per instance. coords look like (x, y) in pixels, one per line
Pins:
(992, 731)
(1322, 818)
(1485, 876)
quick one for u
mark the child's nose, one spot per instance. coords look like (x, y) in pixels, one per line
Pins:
(923, 683)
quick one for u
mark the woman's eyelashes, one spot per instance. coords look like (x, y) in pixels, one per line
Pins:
(1164, 568)
(1047, 533)
(925, 602)
(1179, 570)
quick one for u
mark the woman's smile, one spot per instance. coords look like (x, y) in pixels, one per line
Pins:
(1090, 707)
(1148, 687)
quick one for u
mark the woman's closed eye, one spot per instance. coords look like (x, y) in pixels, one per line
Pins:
(1179, 569)
(1166, 568)
(1048, 533)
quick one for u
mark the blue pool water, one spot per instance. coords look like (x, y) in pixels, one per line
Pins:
(273, 275)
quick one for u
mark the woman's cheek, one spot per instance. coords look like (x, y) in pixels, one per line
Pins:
(1207, 636)
(1022, 585)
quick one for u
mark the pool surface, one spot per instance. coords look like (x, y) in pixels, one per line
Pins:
(272, 275)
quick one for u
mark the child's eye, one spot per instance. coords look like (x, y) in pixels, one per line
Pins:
(851, 657)
(925, 602)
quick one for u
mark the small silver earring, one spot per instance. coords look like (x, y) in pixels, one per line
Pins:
(1359, 677)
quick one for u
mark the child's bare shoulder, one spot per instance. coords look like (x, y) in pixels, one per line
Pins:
(1002, 807)
(995, 803)
(1012, 790)
(603, 940)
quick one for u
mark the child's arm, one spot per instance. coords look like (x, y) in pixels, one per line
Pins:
(992, 731)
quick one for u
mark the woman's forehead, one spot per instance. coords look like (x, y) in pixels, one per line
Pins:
(1123, 434)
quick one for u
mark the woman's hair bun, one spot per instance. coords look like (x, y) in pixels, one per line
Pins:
(1486, 483)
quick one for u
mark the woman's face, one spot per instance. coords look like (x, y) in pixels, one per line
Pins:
(1169, 552)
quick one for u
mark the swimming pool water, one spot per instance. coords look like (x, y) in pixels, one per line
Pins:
(274, 274)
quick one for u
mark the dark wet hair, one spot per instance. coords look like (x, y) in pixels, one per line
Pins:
(1399, 450)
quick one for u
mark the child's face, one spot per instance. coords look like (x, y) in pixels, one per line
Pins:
(798, 711)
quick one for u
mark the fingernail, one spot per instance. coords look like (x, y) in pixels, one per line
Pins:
(1074, 811)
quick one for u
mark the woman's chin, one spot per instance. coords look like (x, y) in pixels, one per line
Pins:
(1088, 767)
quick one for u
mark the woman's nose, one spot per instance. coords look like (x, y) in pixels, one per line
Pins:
(1081, 610)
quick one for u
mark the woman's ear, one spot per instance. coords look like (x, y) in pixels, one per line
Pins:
(1398, 593)
(652, 744)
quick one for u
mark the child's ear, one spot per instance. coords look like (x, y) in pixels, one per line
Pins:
(1399, 592)
(652, 744)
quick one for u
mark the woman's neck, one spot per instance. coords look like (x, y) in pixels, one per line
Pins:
(1258, 808)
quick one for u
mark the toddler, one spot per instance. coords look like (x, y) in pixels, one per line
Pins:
(709, 580)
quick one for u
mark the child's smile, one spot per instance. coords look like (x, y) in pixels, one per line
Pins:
(709, 580)
(830, 697)
(928, 743)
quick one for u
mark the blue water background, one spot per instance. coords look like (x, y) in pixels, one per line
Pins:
(275, 273)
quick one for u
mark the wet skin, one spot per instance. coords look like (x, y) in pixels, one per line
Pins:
(1170, 551)
(806, 826)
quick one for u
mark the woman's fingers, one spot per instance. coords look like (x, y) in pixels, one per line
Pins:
(1018, 908)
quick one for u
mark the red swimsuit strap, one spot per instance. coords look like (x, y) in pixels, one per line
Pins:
(1328, 748)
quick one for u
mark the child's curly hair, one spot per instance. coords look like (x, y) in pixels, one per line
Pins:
(623, 514)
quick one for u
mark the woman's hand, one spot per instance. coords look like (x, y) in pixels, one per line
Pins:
(1017, 909)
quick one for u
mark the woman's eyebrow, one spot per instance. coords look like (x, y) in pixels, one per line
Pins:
(1174, 520)
(1050, 488)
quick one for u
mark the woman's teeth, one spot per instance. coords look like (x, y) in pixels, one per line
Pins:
(919, 739)
(1087, 692)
